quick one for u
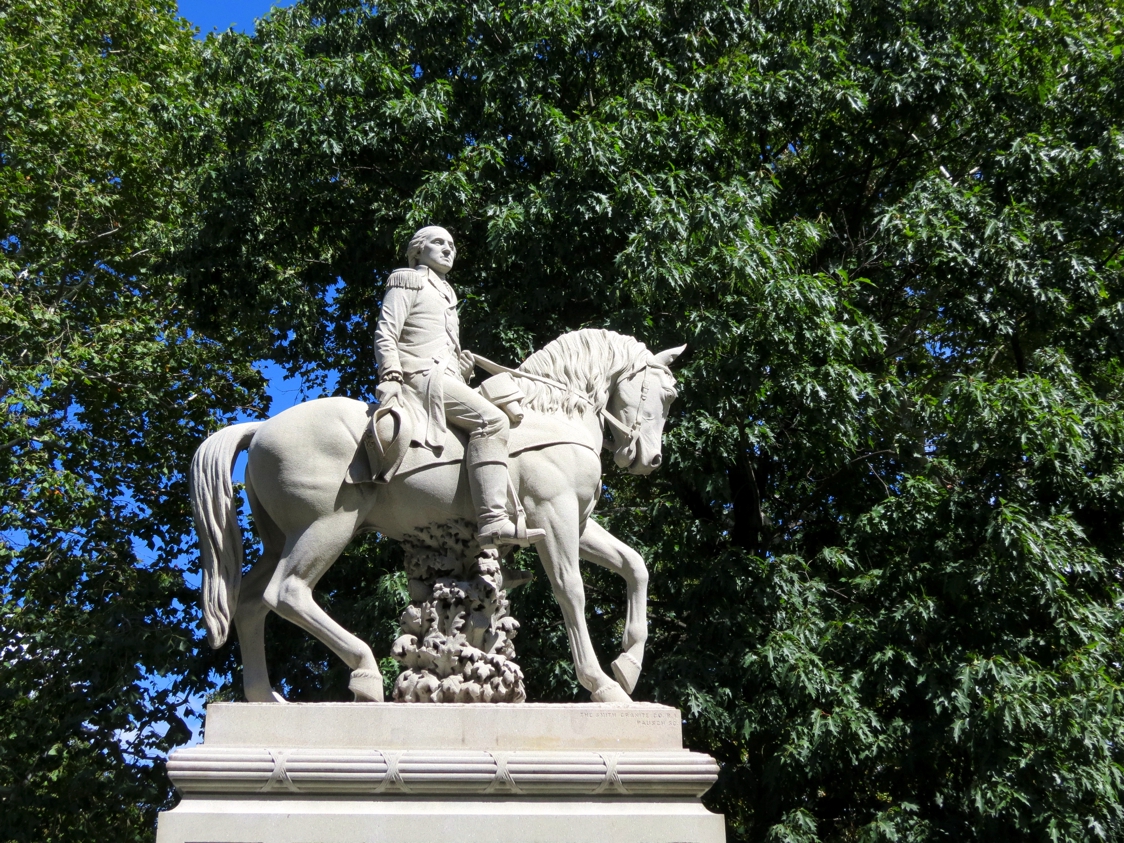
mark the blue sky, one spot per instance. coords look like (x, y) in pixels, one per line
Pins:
(209, 15)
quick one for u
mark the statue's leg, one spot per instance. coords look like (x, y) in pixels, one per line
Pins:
(601, 547)
(307, 556)
(487, 426)
(559, 553)
(252, 609)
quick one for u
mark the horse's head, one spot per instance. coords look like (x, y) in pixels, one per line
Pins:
(639, 405)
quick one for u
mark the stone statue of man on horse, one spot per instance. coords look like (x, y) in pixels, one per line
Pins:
(458, 476)
(417, 343)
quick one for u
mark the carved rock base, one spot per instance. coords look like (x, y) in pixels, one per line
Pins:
(455, 636)
(383, 773)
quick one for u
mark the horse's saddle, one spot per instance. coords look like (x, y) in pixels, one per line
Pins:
(388, 448)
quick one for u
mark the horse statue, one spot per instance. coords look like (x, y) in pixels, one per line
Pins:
(304, 485)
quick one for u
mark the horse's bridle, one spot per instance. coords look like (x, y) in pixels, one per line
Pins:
(631, 433)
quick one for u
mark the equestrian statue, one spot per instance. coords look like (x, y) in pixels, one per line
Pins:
(459, 475)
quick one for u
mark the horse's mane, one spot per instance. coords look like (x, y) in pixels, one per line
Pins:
(585, 361)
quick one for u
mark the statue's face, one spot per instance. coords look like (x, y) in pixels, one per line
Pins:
(439, 252)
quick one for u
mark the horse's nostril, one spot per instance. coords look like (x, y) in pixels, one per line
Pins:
(656, 460)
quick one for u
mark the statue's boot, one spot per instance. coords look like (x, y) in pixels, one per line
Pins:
(488, 480)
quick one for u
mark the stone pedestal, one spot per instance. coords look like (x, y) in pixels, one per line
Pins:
(391, 773)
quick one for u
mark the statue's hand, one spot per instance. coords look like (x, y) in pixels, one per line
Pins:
(388, 392)
(468, 365)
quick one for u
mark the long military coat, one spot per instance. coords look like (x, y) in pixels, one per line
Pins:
(418, 334)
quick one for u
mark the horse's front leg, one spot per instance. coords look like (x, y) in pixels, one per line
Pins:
(601, 547)
(559, 554)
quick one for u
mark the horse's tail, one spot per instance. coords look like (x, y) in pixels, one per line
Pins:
(216, 521)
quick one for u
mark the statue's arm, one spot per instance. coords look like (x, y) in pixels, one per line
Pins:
(396, 306)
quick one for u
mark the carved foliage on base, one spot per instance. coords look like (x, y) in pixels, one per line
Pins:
(455, 636)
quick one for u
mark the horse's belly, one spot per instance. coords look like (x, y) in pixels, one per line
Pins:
(411, 502)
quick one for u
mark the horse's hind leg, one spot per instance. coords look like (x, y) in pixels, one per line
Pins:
(601, 547)
(307, 555)
(252, 609)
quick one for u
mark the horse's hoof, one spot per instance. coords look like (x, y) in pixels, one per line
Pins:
(266, 696)
(627, 671)
(366, 685)
(611, 693)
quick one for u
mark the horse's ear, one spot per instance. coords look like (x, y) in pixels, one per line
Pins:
(667, 357)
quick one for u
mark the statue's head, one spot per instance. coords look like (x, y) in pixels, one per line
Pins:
(432, 246)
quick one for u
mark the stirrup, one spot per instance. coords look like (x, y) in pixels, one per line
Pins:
(498, 534)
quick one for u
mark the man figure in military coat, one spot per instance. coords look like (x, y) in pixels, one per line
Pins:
(418, 348)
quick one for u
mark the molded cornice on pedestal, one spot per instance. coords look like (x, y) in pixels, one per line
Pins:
(376, 772)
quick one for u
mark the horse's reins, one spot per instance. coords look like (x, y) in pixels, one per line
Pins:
(632, 433)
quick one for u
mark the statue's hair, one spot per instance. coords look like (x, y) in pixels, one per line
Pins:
(413, 249)
(587, 361)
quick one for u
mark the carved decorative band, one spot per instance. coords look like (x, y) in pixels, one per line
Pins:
(198, 770)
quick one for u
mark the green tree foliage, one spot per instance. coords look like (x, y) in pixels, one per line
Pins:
(105, 393)
(886, 545)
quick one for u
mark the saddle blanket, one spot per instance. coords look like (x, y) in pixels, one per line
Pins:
(535, 431)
